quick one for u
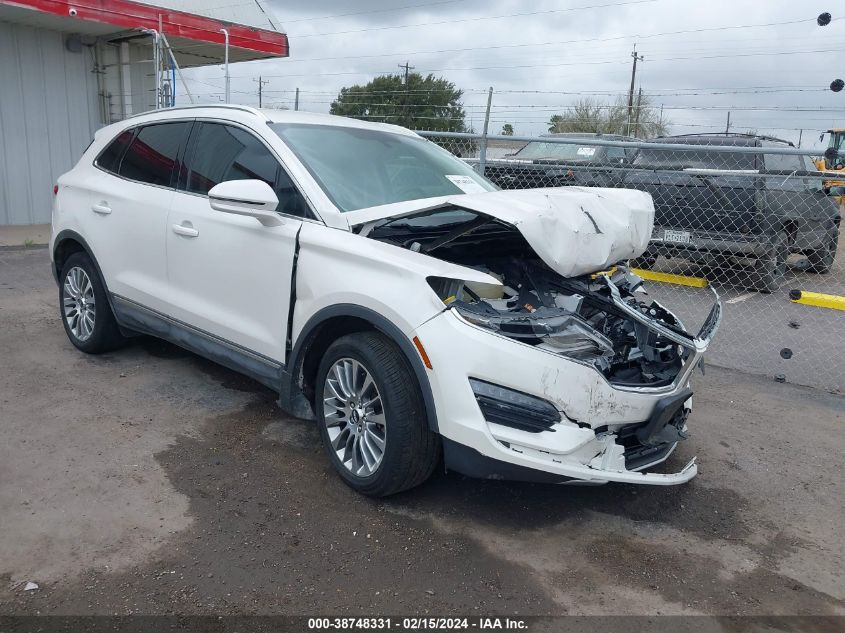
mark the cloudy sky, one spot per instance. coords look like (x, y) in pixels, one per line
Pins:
(768, 62)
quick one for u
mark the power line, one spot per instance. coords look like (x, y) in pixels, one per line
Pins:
(479, 18)
(343, 15)
(636, 36)
(560, 64)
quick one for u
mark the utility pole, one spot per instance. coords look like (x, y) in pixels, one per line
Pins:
(261, 83)
(296, 100)
(800, 136)
(482, 156)
(405, 104)
(728, 126)
(631, 91)
(637, 118)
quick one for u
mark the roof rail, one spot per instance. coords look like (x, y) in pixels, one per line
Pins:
(225, 106)
(735, 134)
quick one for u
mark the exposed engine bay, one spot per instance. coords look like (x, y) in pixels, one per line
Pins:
(605, 320)
(570, 317)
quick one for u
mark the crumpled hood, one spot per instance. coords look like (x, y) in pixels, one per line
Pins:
(575, 230)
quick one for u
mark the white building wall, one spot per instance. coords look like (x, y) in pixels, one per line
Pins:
(48, 114)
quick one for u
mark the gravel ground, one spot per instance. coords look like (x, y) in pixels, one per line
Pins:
(151, 481)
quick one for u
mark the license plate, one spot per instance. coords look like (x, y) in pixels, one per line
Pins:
(679, 237)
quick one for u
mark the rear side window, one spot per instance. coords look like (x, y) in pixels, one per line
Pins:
(223, 152)
(110, 158)
(152, 154)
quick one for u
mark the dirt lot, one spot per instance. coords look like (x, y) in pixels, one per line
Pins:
(151, 481)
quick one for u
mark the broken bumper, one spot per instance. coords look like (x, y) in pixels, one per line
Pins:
(590, 443)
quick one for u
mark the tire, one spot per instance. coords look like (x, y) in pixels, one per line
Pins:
(770, 269)
(821, 260)
(410, 451)
(646, 261)
(84, 307)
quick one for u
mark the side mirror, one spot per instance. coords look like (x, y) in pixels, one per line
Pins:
(253, 198)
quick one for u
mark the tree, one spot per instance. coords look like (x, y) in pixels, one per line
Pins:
(507, 129)
(426, 103)
(592, 116)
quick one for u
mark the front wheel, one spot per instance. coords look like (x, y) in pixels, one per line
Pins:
(371, 416)
(85, 310)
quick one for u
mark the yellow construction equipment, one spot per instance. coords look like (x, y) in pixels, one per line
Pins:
(833, 165)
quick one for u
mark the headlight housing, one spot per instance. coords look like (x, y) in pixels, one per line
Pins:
(565, 332)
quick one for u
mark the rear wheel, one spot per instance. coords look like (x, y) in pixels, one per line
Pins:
(85, 310)
(821, 259)
(770, 269)
(371, 416)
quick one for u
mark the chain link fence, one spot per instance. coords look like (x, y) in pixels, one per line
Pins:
(749, 215)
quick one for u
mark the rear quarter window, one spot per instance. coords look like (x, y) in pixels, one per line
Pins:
(110, 157)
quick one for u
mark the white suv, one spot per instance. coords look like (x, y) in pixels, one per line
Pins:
(385, 289)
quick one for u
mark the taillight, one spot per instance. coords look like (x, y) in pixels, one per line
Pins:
(55, 189)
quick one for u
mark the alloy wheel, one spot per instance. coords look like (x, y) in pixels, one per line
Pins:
(354, 417)
(79, 304)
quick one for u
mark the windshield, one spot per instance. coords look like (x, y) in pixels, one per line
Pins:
(565, 151)
(698, 159)
(359, 168)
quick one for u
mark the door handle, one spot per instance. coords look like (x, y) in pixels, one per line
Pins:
(187, 231)
(102, 208)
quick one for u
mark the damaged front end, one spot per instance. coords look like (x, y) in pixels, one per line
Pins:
(601, 320)
(604, 321)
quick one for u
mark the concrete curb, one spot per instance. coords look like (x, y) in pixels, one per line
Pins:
(817, 299)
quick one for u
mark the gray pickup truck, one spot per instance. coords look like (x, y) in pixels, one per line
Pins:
(727, 205)
(544, 163)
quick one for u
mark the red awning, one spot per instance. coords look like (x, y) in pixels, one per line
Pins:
(245, 42)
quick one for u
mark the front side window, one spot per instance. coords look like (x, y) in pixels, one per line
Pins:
(782, 162)
(224, 152)
(785, 163)
(360, 168)
(617, 154)
(152, 154)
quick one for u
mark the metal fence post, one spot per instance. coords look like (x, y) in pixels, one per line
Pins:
(482, 156)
